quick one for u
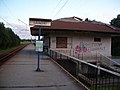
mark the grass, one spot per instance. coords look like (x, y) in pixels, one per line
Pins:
(2, 52)
(104, 88)
(116, 57)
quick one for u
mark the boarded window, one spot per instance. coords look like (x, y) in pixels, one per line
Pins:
(97, 39)
(61, 42)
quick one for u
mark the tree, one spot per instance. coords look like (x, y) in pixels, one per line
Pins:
(8, 38)
(2, 34)
(116, 39)
(116, 21)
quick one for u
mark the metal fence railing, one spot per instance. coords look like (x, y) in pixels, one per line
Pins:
(94, 57)
(104, 60)
(92, 76)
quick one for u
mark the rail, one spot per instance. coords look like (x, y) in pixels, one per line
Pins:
(92, 76)
(10, 54)
(94, 57)
(109, 62)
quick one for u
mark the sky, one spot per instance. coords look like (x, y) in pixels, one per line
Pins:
(16, 13)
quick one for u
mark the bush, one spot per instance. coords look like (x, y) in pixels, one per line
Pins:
(116, 52)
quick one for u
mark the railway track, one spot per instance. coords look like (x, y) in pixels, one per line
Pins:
(5, 57)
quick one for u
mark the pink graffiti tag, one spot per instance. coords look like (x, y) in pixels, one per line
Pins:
(79, 49)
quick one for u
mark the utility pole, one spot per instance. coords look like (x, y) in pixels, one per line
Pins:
(38, 63)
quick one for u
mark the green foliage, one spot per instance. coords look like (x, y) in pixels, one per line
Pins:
(116, 40)
(116, 21)
(104, 88)
(8, 38)
(116, 46)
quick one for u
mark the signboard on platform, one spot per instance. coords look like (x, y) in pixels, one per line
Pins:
(39, 22)
(39, 46)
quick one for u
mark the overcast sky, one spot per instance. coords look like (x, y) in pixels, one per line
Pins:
(12, 10)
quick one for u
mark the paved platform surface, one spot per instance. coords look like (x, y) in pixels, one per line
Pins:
(19, 73)
(117, 60)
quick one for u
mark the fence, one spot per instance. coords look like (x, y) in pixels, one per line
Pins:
(92, 76)
(94, 57)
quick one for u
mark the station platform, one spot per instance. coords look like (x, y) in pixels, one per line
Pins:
(19, 73)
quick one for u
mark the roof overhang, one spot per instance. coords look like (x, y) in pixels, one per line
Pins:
(74, 26)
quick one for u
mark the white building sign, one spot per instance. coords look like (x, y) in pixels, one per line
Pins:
(39, 22)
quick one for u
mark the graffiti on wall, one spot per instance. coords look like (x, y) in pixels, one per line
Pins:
(80, 49)
(87, 47)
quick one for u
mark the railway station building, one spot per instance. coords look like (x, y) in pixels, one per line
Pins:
(73, 34)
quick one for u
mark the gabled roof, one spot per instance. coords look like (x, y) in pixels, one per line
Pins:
(70, 19)
(63, 24)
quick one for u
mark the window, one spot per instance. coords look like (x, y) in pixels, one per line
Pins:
(61, 42)
(97, 39)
